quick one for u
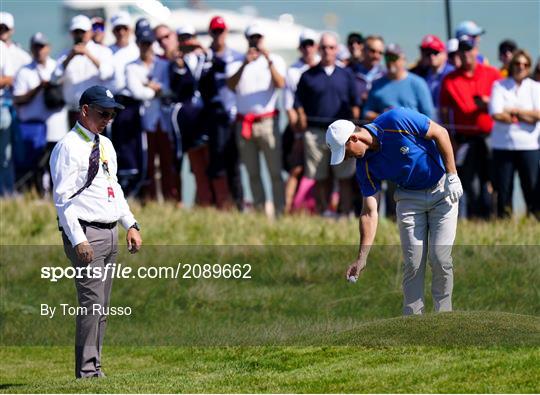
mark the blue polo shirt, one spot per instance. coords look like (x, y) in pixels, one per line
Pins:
(327, 97)
(405, 156)
(410, 92)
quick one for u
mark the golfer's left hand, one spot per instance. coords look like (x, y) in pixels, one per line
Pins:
(453, 187)
(134, 240)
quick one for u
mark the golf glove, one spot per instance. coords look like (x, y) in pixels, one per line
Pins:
(453, 187)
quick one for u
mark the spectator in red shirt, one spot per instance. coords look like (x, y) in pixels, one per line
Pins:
(464, 102)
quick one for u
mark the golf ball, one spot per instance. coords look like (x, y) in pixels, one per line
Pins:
(352, 279)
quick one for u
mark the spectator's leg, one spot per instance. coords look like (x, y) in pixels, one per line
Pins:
(232, 166)
(442, 223)
(150, 183)
(503, 181)
(344, 172)
(267, 133)
(483, 161)
(7, 171)
(169, 174)
(249, 154)
(198, 160)
(317, 156)
(413, 232)
(466, 174)
(527, 164)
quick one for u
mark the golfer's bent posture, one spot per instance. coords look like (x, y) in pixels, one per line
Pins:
(89, 202)
(409, 149)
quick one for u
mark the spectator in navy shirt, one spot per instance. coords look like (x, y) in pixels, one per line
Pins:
(325, 93)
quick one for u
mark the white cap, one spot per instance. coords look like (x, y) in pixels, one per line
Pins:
(186, 29)
(121, 19)
(452, 45)
(337, 135)
(308, 34)
(80, 22)
(7, 19)
(254, 29)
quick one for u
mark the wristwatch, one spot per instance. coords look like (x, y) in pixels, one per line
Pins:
(135, 226)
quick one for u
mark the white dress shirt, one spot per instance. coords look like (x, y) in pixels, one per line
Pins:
(292, 79)
(521, 135)
(255, 92)
(122, 56)
(7, 68)
(69, 169)
(138, 74)
(81, 73)
(27, 79)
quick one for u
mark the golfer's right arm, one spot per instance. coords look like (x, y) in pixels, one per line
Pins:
(369, 218)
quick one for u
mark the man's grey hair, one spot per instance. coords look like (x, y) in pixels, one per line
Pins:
(332, 35)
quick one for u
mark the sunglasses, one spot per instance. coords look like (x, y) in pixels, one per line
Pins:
(120, 27)
(331, 47)
(104, 114)
(373, 50)
(390, 57)
(522, 64)
(430, 52)
(217, 32)
(160, 39)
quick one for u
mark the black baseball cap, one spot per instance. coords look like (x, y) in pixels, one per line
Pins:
(145, 35)
(99, 96)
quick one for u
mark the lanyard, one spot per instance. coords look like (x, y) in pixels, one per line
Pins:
(102, 153)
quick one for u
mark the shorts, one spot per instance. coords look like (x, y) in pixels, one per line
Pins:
(317, 158)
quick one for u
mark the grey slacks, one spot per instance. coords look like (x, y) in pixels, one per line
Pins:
(90, 327)
(427, 223)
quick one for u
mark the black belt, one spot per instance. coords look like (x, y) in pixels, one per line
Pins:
(99, 225)
(85, 224)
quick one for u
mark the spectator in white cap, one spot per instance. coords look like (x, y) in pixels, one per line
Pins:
(42, 123)
(256, 81)
(19, 57)
(84, 65)
(293, 145)
(471, 29)
(453, 55)
(124, 51)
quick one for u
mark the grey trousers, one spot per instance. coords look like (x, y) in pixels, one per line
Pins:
(266, 139)
(427, 223)
(90, 328)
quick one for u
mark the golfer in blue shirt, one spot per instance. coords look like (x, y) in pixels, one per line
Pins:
(408, 148)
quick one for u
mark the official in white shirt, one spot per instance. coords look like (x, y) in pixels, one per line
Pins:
(84, 65)
(90, 202)
(34, 114)
(256, 81)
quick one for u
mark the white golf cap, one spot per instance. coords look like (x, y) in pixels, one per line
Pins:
(253, 29)
(80, 22)
(121, 19)
(186, 29)
(308, 34)
(452, 45)
(7, 19)
(337, 135)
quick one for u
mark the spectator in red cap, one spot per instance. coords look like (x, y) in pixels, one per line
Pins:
(220, 107)
(433, 50)
(464, 99)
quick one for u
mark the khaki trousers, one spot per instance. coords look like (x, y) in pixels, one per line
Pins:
(265, 139)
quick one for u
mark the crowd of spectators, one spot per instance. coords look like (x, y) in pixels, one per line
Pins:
(221, 108)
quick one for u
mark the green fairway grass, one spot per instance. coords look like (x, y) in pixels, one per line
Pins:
(295, 326)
